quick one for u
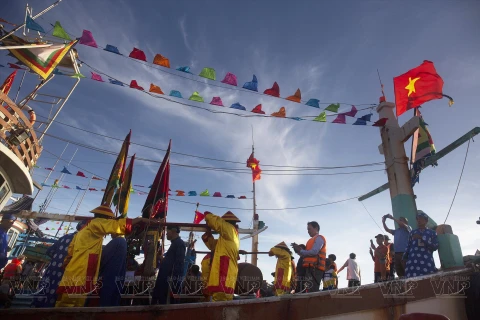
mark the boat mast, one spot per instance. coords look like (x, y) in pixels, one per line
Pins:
(255, 216)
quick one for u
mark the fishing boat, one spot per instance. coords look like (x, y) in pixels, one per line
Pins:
(444, 295)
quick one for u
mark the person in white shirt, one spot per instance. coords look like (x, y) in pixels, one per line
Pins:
(353, 271)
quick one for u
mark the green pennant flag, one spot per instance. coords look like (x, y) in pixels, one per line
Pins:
(205, 193)
(77, 75)
(208, 73)
(196, 97)
(35, 166)
(333, 107)
(322, 117)
(59, 32)
(132, 190)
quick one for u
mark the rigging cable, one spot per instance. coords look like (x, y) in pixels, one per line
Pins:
(460, 179)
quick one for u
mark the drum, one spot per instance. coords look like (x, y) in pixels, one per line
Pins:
(249, 279)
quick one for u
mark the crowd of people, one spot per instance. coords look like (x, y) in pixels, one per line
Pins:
(84, 272)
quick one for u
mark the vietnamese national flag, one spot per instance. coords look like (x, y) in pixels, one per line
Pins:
(418, 86)
(254, 164)
(198, 217)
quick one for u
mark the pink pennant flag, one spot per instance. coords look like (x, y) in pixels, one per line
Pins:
(217, 101)
(50, 169)
(138, 54)
(340, 119)
(81, 174)
(380, 123)
(134, 85)
(95, 178)
(230, 79)
(92, 189)
(66, 187)
(87, 39)
(351, 113)
(14, 66)
(96, 77)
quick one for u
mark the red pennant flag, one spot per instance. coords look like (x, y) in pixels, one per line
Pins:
(14, 66)
(49, 169)
(47, 229)
(7, 84)
(198, 217)
(380, 123)
(95, 178)
(92, 189)
(81, 174)
(418, 86)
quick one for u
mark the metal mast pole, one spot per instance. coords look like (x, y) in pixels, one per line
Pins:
(255, 216)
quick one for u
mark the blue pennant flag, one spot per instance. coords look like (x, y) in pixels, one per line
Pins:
(175, 93)
(65, 171)
(238, 106)
(367, 117)
(45, 185)
(113, 49)
(192, 193)
(313, 103)
(252, 85)
(32, 25)
(360, 122)
(78, 188)
(230, 196)
(184, 69)
(118, 83)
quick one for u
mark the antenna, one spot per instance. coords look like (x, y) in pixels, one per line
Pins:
(381, 85)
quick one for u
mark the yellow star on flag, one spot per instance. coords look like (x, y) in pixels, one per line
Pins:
(253, 165)
(411, 85)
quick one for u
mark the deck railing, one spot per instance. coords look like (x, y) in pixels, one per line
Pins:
(17, 133)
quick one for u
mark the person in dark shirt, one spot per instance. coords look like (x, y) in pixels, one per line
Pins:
(171, 268)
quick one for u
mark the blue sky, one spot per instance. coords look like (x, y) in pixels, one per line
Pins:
(329, 51)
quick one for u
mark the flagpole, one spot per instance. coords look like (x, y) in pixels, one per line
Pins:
(413, 152)
(255, 216)
(34, 17)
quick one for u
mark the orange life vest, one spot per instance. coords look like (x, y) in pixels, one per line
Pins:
(317, 261)
(10, 271)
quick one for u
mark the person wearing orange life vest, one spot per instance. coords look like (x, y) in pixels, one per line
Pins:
(314, 256)
(283, 269)
(224, 267)
(210, 242)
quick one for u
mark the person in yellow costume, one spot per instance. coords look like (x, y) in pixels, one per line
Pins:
(283, 269)
(224, 267)
(210, 242)
(83, 257)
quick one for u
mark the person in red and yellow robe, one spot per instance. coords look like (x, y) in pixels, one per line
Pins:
(224, 267)
(283, 269)
(210, 242)
(83, 257)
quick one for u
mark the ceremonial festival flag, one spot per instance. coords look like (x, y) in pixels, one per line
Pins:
(7, 84)
(41, 60)
(156, 204)
(417, 86)
(118, 171)
(122, 196)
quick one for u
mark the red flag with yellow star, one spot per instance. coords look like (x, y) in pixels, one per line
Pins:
(418, 86)
(254, 164)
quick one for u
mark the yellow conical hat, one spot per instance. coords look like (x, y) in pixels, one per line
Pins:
(229, 216)
(104, 210)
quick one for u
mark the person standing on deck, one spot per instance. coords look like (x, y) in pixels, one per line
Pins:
(84, 252)
(210, 242)
(283, 269)
(380, 259)
(170, 273)
(391, 257)
(300, 272)
(418, 255)
(7, 222)
(224, 269)
(400, 241)
(353, 271)
(314, 257)
(54, 272)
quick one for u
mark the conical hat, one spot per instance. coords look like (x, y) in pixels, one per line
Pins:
(229, 216)
(282, 245)
(104, 210)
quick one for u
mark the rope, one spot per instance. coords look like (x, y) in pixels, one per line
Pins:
(460, 179)
(381, 231)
